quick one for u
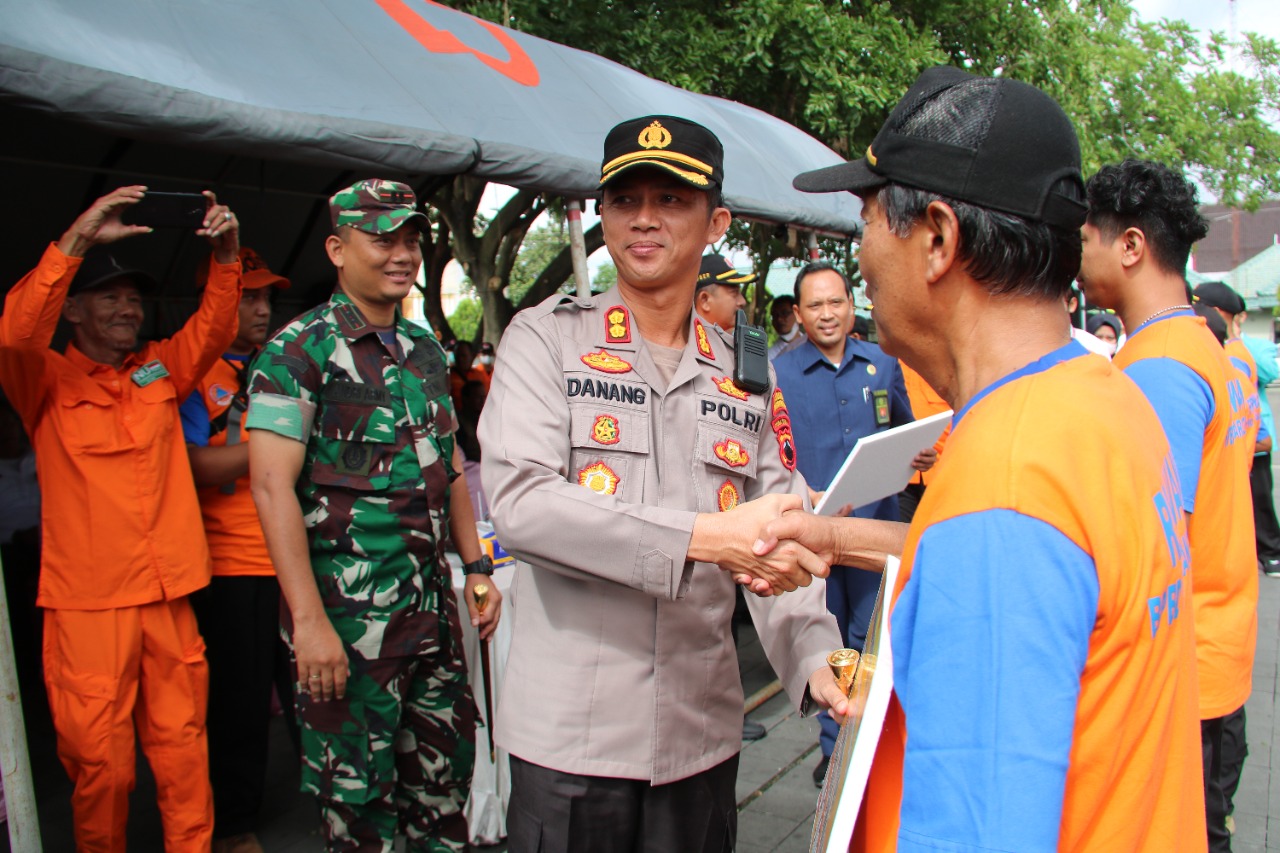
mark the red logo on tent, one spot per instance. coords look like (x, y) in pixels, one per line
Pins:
(518, 66)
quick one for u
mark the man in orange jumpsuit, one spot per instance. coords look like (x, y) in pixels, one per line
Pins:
(123, 542)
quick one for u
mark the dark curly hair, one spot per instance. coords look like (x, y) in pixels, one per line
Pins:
(1153, 198)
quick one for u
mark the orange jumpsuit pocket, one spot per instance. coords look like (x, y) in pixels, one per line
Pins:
(197, 670)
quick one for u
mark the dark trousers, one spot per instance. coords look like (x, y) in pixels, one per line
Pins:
(1264, 509)
(1235, 748)
(1215, 804)
(239, 619)
(555, 812)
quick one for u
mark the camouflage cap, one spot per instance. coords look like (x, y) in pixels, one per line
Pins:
(375, 206)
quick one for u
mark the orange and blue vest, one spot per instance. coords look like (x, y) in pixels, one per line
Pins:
(1223, 550)
(212, 417)
(1043, 648)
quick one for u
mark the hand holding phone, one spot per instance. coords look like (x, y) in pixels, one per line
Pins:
(168, 210)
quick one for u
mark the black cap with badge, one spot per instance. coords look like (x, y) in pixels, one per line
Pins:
(679, 146)
(1012, 149)
(100, 268)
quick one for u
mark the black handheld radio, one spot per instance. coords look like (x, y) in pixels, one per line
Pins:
(751, 356)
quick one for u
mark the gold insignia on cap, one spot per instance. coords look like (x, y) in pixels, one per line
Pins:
(606, 362)
(732, 453)
(727, 497)
(654, 136)
(606, 430)
(599, 478)
(871, 156)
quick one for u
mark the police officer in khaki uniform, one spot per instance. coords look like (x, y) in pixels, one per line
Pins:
(621, 463)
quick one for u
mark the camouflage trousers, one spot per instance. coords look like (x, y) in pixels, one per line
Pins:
(395, 754)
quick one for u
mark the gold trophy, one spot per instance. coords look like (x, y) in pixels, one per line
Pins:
(844, 664)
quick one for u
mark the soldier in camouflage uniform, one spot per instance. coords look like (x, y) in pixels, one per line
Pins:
(358, 483)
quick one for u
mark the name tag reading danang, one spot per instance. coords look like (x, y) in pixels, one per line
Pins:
(148, 373)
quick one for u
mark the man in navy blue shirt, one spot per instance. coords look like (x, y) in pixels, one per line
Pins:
(839, 389)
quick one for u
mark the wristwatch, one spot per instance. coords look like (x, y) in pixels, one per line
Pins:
(482, 566)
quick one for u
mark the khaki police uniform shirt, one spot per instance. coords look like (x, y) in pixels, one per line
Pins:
(622, 663)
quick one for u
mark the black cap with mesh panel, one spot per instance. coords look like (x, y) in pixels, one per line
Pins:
(990, 141)
(1220, 295)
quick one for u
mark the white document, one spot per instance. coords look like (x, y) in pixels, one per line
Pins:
(880, 464)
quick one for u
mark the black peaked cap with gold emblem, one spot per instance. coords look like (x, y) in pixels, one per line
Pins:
(684, 148)
(716, 269)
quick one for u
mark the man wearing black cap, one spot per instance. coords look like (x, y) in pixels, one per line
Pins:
(621, 462)
(123, 542)
(239, 614)
(1143, 220)
(719, 293)
(1044, 690)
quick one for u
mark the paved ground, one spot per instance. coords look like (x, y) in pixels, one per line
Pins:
(776, 793)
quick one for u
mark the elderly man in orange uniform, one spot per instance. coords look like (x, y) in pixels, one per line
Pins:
(123, 542)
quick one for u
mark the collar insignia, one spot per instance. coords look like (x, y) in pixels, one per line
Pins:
(654, 136)
(704, 343)
(726, 386)
(617, 325)
(606, 430)
(606, 363)
(727, 496)
(599, 478)
(732, 453)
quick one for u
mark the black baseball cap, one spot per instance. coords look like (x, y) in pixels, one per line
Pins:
(716, 269)
(684, 148)
(100, 268)
(994, 142)
(1220, 295)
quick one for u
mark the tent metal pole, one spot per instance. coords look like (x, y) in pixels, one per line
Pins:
(578, 247)
(15, 763)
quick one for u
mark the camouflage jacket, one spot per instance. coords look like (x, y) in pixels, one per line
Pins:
(374, 487)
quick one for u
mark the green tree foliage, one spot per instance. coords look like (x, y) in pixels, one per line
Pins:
(835, 67)
(465, 319)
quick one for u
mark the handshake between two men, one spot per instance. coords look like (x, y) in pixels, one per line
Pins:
(773, 545)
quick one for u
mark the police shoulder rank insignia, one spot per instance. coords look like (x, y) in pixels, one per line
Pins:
(781, 424)
(606, 362)
(726, 386)
(727, 496)
(617, 325)
(732, 453)
(599, 478)
(704, 343)
(148, 373)
(606, 430)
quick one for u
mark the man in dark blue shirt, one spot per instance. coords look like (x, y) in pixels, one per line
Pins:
(839, 389)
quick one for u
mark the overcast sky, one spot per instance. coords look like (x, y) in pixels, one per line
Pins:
(1259, 16)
